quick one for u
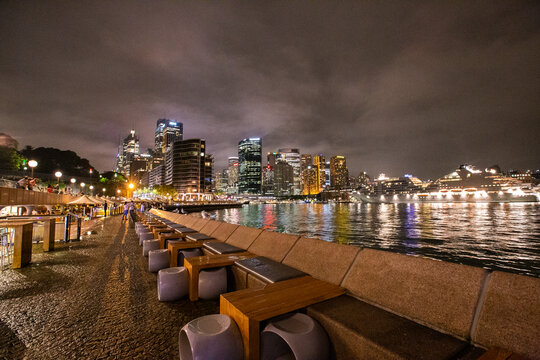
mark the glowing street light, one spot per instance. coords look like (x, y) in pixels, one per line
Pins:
(32, 164)
(104, 189)
(58, 175)
(92, 189)
(131, 186)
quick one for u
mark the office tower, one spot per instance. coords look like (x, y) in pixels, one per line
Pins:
(272, 157)
(292, 157)
(232, 173)
(268, 180)
(187, 166)
(283, 179)
(320, 165)
(167, 132)
(339, 175)
(221, 182)
(249, 163)
(311, 183)
(126, 153)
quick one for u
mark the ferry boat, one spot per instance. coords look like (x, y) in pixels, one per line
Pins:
(465, 184)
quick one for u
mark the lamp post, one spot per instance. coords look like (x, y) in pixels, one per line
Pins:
(82, 186)
(32, 164)
(130, 186)
(58, 175)
(92, 189)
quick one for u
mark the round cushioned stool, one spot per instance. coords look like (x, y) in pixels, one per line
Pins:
(211, 337)
(139, 227)
(172, 283)
(212, 283)
(146, 235)
(149, 245)
(182, 254)
(296, 336)
(158, 259)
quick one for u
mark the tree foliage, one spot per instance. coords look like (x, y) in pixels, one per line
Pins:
(51, 160)
(10, 159)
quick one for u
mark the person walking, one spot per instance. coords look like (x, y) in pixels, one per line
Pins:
(105, 209)
(126, 210)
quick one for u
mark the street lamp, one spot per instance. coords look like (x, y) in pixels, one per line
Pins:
(82, 186)
(104, 189)
(73, 180)
(32, 164)
(92, 189)
(58, 175)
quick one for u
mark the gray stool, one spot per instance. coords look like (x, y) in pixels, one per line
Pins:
(149, 245)
(158, 259)
(145, 236)
(295, 336)
(182, 254)
(212, 283)
(211, 337)
(172, 283)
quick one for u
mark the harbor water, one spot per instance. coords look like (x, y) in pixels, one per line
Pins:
(496, 236)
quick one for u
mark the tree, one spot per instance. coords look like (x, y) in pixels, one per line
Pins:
(10, 159)
(51, 160)
(165, 190)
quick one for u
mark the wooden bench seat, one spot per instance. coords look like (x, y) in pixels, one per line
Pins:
(175, 246)
(198, 236)
(359, 330)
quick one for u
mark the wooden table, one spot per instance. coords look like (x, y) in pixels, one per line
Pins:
(22, 242)
(162, 236)
(175, 247)
(249, 307)
(197, 263)
(156, 229)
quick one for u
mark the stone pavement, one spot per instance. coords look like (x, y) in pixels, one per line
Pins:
(92, 299)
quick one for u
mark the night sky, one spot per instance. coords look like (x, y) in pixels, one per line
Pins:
(396, 86)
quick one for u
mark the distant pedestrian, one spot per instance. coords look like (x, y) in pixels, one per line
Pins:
(126, 210)
(142, 207)
(31, 183)
(50, 189)
(23, 183)
(105, 209)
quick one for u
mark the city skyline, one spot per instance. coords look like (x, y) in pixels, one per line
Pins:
(450, 84)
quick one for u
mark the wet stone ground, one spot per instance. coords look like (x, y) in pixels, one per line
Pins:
(92, 299)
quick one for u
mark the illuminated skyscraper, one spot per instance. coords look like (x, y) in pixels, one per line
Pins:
(187, 166)
(127, 152)
(167, 132)
(292, 157)
(232, 173)
(249, 164)
(339, 175)
(320, 165)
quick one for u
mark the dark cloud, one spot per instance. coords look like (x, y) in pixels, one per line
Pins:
(396, 87)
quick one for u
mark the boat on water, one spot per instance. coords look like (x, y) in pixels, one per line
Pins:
(465, 184)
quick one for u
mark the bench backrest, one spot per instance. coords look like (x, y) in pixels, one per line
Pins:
(321, 259)
(273, 245)
(439, 294)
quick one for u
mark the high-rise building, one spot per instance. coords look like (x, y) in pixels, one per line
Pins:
(232, 173)
(268, 180)
(320, 165)
(283, 179)
(127, 151)
(249, 163)
(311, 183)
(339, 175)
(272, 157)
(167, 132)
(188, 167)
(292, 157)
(221, 182)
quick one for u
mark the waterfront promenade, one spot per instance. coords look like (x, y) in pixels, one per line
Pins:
(92, 299)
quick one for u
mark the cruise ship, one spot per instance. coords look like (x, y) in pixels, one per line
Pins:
(465, 184)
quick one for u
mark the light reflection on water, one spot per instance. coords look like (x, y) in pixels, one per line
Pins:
(502, 236)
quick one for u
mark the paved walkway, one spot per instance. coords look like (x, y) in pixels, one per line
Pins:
(92, 299)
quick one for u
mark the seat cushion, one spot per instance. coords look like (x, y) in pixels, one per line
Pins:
(219, 247)
(185, 230)
(198, 236)
(269, 270)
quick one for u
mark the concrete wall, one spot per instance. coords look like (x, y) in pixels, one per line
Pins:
(489, 309)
